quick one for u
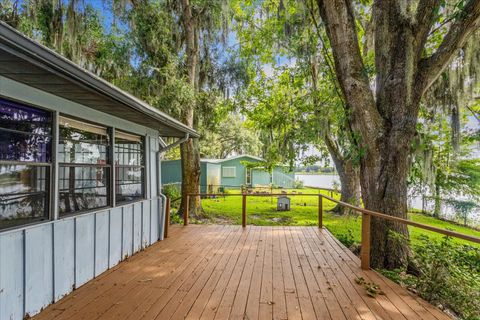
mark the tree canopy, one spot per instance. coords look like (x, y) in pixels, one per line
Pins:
(388, 90)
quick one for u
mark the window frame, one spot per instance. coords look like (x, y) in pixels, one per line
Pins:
(229, 176)
(52, 206)
(107, 164)
(50, 179)
(143, 168)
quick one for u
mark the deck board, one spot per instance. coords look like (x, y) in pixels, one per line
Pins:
(224, 272)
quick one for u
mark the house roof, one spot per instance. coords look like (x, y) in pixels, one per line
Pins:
(33, 64)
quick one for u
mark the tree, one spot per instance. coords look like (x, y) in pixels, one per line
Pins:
(385, 118)
(75, 30)
(442, 167)
(177, 45)
(230, 136)
(274, 31)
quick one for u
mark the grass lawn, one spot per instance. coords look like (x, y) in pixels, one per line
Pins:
(261, 211)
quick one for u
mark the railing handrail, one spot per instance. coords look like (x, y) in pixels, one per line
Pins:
(359, 209)
(405, 221)
(366, 218)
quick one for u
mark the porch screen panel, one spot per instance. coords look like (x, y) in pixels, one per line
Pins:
(25, 161)
(84, 167)
(129, 167)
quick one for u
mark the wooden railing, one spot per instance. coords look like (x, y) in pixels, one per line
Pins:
(366, 219)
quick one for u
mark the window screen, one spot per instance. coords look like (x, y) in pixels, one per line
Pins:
(129, 167)
(84, 166)
(25, 156)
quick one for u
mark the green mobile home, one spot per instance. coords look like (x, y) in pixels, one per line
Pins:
(209, 174)
(233, 172)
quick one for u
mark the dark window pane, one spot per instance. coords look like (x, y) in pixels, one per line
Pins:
(23, 194)
(19, 117)
(82, 188)
(129, 183)
(15, 146)
(89, 146)
(129, 149)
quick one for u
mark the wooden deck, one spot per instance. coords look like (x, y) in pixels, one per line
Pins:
(221, 272)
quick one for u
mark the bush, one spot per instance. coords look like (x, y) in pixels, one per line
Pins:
(448, 275)
(172, 191)
(298, 184)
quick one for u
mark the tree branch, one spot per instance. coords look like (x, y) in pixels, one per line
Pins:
(431, 67)
(423, 21)
(338, 17)
(332, 146)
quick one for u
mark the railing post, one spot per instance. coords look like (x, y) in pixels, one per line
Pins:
(244, 210)
(365, 250)
(320, 211)
(185, 210)
(167, 217)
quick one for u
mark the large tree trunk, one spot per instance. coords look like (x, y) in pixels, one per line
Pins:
(190, 159)
(386, 122)
(190, 155)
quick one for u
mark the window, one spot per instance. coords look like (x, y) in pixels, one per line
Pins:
(25, 160)
(228, 172)
(129, 167)
(84, 166)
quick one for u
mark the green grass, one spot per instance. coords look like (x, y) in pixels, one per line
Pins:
(261, 211)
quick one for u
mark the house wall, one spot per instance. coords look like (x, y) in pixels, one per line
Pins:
(41, 263)
(279, 178)
(239, 179)
(283, 178)
(209, 174)
(260, 178)
(171, 171)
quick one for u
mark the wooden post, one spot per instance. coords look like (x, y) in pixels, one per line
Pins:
(185, 211)
(167, 217)
(244, 210)
(365, 250)
(320, 211)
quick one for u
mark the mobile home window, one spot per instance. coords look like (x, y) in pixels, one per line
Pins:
(84, 166)
(129, 167)
(25, 161)
(228, 172)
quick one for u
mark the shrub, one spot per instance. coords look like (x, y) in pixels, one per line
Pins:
(172, 191)
(298, 184)
(448, 275)
(346, 239)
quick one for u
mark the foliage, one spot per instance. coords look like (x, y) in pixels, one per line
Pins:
(230, 136)
(449, 275)
(298, 184)
(77, 31)
(346, 238)
(439, 168)
(171, 191)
